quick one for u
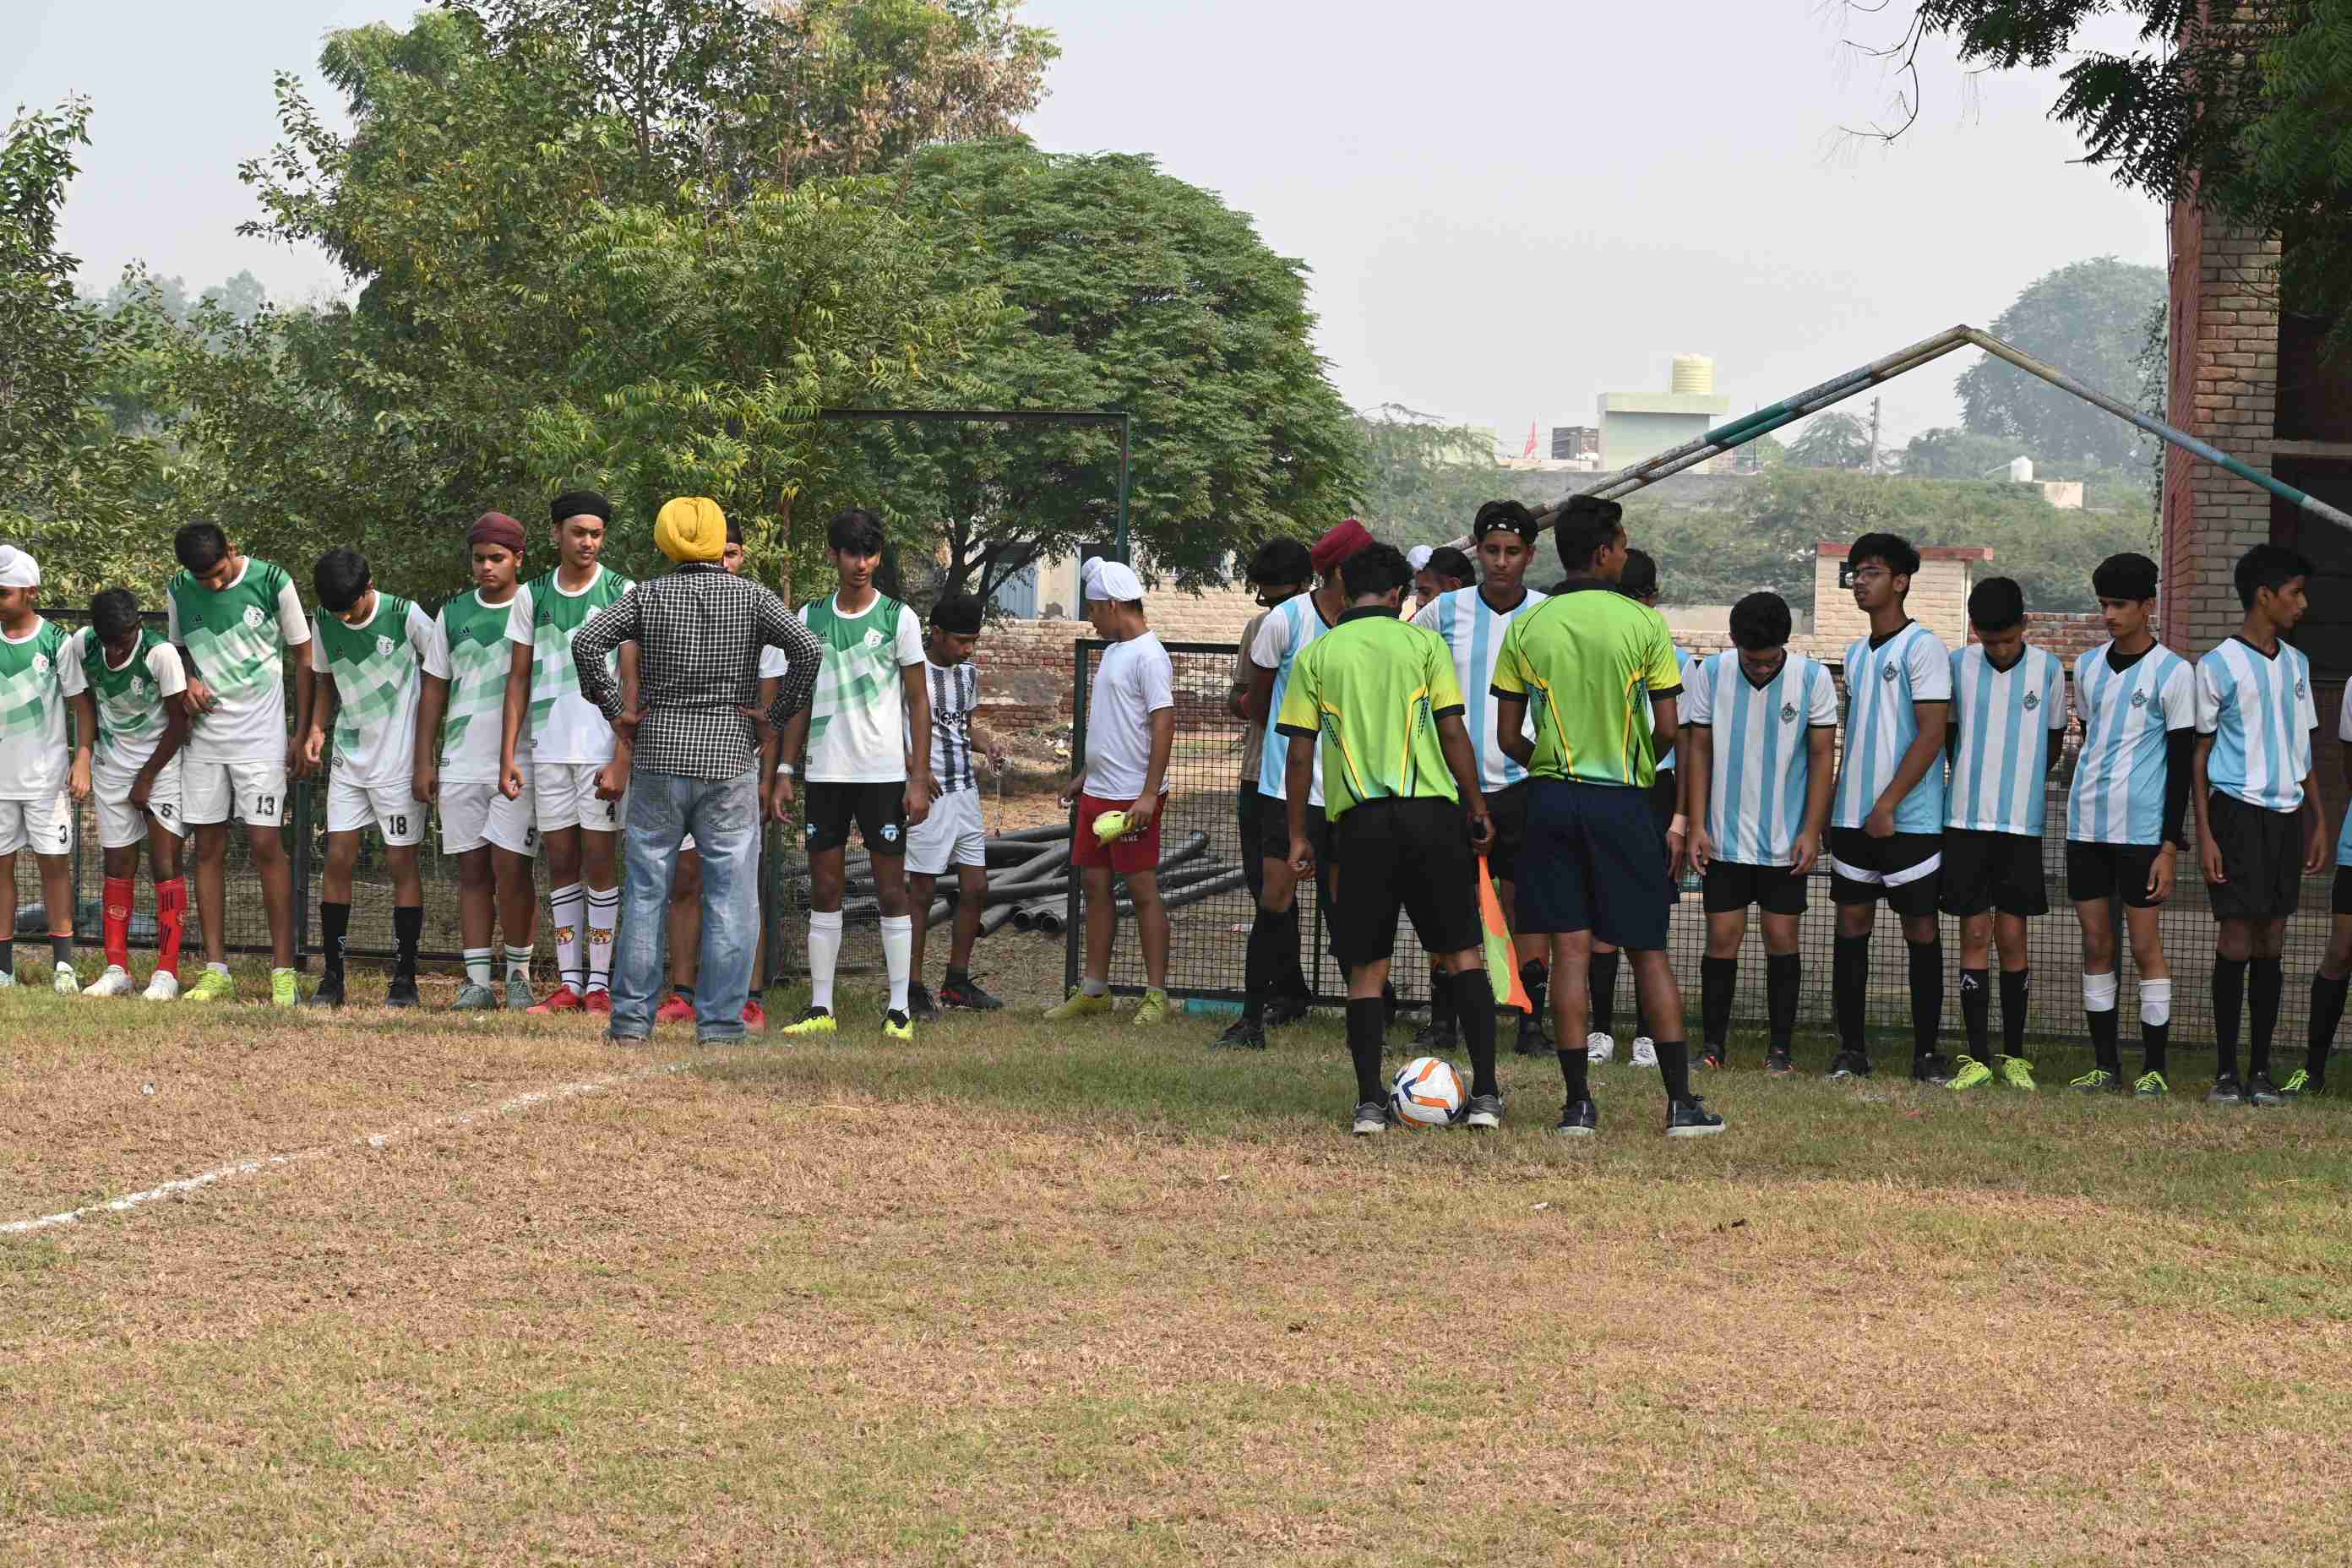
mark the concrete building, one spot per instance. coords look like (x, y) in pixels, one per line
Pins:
(1635, 425)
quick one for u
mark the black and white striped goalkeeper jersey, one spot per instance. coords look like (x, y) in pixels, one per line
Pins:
(955, 697)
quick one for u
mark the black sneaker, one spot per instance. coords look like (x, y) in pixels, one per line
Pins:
(401, 993)
(1485, 1112)
(329, 993)
(1712, 1056)
(920, 1004)
(1849, 1064)
(1284, 1011)
(1691, 1119)
(1778, 1063)
(1532, 1041)
(1579, 1119)
(1434, 1039)
(1933, 1067)
(1243, 1033)
(2226, 1091)
(1371, 1117)
(965, 995)
(2261, 1090)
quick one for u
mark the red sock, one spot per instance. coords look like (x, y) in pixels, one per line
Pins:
(119, 891)
(171, 915)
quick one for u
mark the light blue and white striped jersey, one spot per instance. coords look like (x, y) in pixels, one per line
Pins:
(1882, 684)
(1667, 763)
(2343, 838)
(2006, 721)
(1763, 760)
(1474, 630)
(2260, 713)
(2120, 773)
(1289, 627)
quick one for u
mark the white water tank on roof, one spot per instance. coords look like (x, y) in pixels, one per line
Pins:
(2021, 470)
(1694, 373)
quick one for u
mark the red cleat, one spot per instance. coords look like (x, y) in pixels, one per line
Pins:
(562, 999)
(755, 1017)
(676, 1010)
(599, 1002)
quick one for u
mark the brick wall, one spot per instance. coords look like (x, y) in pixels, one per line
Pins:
(1938, 601)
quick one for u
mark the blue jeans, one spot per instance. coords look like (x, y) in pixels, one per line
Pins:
(723, 815)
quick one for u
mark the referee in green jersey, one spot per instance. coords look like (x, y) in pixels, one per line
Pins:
(1598, 670)
(1400, 794)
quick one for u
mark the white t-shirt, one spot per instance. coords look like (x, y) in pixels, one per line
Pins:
(1133, 681)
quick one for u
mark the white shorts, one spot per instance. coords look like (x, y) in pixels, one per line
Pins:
(257, 791)
(47, 826)
(474, 815)
(565, 796)
(390, 808)
(121, 823)
(951, 834)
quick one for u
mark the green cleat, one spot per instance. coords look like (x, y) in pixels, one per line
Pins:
(1078, 1005)
(2099, 1080)
(2018, 1073)
(283, 991)
(2151, 1086)
(1969, 1073)
(1156, 1008)
(2298, 1084)
(212, 986)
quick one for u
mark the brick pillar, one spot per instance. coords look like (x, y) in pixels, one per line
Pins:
(2224, 388)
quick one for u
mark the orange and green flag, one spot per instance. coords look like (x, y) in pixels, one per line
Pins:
(1502, 960)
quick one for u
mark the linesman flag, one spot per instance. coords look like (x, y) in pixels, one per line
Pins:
(1502, 960)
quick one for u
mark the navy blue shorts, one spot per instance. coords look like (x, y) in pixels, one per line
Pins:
(1594, 861)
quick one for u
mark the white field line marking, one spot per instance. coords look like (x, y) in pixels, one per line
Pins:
(321, 1151)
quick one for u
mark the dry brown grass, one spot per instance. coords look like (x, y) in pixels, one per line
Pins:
(834, 1305)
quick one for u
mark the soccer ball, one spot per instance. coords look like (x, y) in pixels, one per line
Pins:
(1427, 1092)
(1109, 825)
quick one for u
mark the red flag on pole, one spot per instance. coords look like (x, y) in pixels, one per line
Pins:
(1530, 450)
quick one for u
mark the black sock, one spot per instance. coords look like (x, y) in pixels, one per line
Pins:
(334, 928)
(1440, 1005)
(1784, 977)
(2016, 986)
(1284, 955)
(1673, 1067)
(1474, 1006)
(1575, 1072)
(408, 929)
(2154, 1039)
(61, 950)
(1718, 980)
(1927, 995)
(2326, 1013)
(1258, 968)
(1602, 974)
(1535, 979)
(2265, 986)
(1366, 1026)
(958, 977)
(1849, 978)
(2104, 1050)
(1976, 1011)
(2229, 1014)
(8, 956)
(683, 992)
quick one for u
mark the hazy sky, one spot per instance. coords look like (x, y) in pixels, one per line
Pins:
(1508, 206)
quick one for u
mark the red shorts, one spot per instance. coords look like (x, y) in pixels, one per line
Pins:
(1136, 852)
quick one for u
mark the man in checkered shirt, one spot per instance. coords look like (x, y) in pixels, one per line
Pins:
(699, 632)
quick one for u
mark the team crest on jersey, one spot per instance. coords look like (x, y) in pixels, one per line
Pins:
(1788, 713)
(1887, 675)
(2033, 700)
(890, 833)
(2140, 698)
(254, 617)
(383, 647)
(41, 667)
(874, 636)
(2299, 691)
(138, 686)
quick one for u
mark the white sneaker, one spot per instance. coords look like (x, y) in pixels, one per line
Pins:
(8, 979)
(164, 987)
(115, 982)
(1598, 1048)
(1646, 1051)
(67, 985)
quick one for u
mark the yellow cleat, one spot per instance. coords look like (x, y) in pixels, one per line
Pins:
(899, 1026)
(815, 1021)
(2018, 1073)
(283, 992)
(1969, 1073)
(212, 986)
(1078, 1005)
(1156, 1008)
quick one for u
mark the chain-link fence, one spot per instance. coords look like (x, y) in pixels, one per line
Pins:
(1207, 939)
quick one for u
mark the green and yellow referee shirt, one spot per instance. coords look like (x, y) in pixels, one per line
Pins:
(1374, 688)
(1589, 661)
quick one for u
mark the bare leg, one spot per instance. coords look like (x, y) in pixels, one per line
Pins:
(212, 889)
(1152, 925)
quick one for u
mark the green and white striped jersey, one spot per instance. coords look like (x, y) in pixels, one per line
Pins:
(565, 727)
(375, 665)
(857, 718)
(237, 638)
(131, 712)
(38, 672)
(469, 651)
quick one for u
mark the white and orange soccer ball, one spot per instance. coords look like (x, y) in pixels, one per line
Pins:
(1428, 1092)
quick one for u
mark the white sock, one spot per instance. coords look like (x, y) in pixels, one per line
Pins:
(568, 907)
(519, 964)
(2154, 1002)
(2099, 993)
(217, 968)
(1089, 986)
(898, 955)
(825, 952)
(603, 914)
(477, 966)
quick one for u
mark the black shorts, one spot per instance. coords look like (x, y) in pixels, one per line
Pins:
(1274, 830)
(1405, 857)
(1594, 861)
(2343, 899)
(879, 809)
(2097, 872)
(1508, 807)
(2262, 852)
(1775, 889)
(1997, 871)
(1901, 870)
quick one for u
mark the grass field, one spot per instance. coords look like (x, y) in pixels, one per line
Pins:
(1102, 1295)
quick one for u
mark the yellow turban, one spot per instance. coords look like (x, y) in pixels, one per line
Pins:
(691, 528)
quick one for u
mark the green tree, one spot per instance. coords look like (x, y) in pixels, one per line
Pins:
(1834, 439)
(1951, 452)
(1425, 479)
(1127, 289)
(2089, 319)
